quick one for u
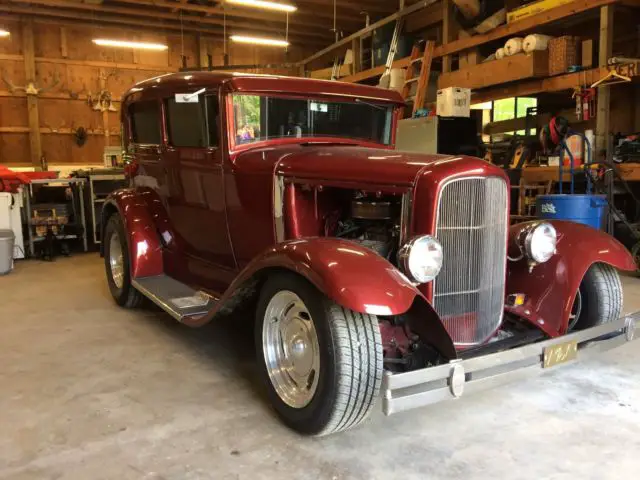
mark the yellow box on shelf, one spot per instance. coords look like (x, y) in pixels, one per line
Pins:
(534, 8)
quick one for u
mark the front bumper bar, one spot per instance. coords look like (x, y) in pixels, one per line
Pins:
(405, 391)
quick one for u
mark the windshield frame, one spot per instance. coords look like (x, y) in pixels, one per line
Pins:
(324, 139)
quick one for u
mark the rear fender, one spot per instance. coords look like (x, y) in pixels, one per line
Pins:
(143, 241)
(352, 276)
(551, 287)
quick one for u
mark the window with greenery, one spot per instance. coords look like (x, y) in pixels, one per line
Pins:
(510, 108)
(260, 118)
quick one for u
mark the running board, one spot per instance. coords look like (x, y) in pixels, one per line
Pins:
(177, 299)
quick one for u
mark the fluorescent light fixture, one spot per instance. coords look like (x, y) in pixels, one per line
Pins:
(103, 42)
(281, 7)
(4, 33)
(259, 41)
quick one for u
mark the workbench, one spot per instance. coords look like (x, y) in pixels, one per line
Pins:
(629, 172)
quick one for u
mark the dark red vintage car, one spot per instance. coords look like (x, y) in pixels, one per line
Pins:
(369, 269)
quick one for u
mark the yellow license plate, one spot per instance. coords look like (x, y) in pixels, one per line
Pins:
(560, 353)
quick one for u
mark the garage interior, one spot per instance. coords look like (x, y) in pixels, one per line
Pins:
(548, 91)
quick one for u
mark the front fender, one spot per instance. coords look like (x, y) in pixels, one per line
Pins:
(351, 275)
(135, 210)
(551, 287)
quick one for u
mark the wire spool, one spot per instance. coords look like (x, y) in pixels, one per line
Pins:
(500, 54)
(535, 42)
(513, 46)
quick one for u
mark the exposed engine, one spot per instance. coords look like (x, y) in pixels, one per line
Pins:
(373, 222)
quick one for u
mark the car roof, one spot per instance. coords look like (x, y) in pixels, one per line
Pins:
(267, 84)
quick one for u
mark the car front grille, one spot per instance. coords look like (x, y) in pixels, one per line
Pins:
(472, 228)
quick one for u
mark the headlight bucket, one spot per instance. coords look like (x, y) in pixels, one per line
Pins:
(421, 258)
(540, 242)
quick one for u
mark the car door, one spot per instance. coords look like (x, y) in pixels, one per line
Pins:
(196, 203)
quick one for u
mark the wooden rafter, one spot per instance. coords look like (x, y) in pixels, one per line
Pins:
(308, 17)
(64, 6)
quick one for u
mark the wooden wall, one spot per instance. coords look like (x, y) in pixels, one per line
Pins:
(69, 67)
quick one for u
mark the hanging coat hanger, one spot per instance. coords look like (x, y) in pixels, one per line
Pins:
(611, 78)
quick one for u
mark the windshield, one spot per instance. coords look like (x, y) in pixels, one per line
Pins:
(260, 118)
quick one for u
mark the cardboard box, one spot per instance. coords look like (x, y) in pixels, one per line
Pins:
(563, 53)
(533, 9)
(454, 102)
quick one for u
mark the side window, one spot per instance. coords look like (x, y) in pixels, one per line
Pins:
(213, 119)
(145, 122)
(185, 124)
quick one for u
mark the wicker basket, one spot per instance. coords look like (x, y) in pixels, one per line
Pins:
(563, 52)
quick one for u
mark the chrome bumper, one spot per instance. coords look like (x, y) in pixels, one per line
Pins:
(404, 391)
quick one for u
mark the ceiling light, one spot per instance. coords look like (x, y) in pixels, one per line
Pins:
(4, 33)
(124, 44)
(259, 41)
(281, 7)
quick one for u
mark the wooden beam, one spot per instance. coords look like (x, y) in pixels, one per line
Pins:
(347, 40)
(92, 63)
(530, 23)
(50, 96)
(372, 72)
(310, 19)
(447, 32)
(62, 6)
(423, 18)
(64, 52)
(605, 50)
(105, 114)
(357, 55)
(533, 87)
(509, 69)
(28, 49)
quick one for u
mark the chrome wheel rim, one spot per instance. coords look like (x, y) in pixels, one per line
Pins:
(290, 348)
(116, 260)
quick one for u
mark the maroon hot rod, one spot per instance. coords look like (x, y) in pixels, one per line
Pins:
(370, 269)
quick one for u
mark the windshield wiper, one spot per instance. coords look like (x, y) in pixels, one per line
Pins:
(379, 107)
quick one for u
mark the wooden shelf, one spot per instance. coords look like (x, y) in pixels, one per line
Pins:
(516, 87)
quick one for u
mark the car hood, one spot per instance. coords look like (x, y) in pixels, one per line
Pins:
(349, 163)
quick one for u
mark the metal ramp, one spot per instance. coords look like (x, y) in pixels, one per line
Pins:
(177, 299)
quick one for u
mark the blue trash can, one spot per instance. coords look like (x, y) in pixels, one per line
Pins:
(586, 209)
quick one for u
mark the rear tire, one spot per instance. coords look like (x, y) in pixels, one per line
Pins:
(117, 265)
(341, 384)
(601, 296)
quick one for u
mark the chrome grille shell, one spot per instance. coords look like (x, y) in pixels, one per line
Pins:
(471, 225)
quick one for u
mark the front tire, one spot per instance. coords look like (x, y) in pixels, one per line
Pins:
(322, 363)
(600, 297)
(117, 265)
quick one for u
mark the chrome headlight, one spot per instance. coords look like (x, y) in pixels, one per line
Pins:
(540, 242)
(421, 258)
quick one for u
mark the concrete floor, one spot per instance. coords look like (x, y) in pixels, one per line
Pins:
(91, 391)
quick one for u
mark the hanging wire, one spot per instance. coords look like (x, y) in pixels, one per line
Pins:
(335, 16)
(181, 37)
(286, 33)
(224, 31)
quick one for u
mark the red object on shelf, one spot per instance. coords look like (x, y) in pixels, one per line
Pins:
(10, 181)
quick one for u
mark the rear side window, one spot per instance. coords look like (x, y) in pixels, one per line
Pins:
(145, 122)
(193, 124)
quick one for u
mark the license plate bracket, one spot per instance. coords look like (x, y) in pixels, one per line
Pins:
(560, 353)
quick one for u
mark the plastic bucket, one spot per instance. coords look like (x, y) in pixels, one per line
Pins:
(6, 251)
(586, 209)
